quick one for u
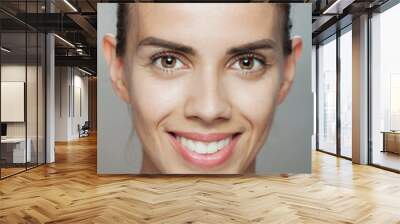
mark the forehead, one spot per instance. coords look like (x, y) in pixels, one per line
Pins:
(206, 23)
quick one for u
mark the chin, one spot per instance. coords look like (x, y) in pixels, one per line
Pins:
(183, 167)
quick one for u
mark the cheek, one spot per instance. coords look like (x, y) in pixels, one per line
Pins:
(255, 100)
(153, 99)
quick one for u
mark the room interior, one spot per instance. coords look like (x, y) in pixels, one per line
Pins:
(22, 101)
(49, 91)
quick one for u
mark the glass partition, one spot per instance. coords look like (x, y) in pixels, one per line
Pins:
(22, 89)
(327, 95)
(385, 89)
(31, 100)
(41, 96)
(346, 93)
(14, 153)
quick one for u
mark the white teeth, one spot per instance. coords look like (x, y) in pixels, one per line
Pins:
(226, 141)
(212, 147)
(203, 147)
(220, 144)
(191, 145)
(184, 141)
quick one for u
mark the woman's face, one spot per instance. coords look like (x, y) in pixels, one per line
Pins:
(203, 83)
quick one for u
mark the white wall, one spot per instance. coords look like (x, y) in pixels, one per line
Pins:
(12, 101)
(81, 83)
(12, 73)
(61, 103)
(68, 81)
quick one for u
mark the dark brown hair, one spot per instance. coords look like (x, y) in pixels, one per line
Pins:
(123, 19)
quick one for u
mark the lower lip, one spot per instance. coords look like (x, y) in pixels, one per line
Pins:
(205, 160)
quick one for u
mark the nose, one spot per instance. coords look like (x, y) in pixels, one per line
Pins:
(207, 99)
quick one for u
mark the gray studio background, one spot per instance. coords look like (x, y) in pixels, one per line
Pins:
(288, 148)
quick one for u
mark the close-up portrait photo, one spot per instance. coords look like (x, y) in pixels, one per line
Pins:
(206, 111)
(210, 88)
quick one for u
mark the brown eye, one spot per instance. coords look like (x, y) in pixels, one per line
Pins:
(168, 61)
(246, 63)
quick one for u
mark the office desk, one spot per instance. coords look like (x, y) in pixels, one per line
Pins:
(391, 141)
(15, 148)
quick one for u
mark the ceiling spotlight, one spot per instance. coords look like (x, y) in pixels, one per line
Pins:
(337, 7)
(5, 50)
(70, 5)
(65, 41)
(84, 71)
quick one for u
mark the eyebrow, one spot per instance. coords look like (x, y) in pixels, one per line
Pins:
(154, 41)
(260, 44)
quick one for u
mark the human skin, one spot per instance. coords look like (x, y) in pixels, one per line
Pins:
(202, 73)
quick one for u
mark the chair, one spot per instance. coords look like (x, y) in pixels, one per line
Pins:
(84, 130)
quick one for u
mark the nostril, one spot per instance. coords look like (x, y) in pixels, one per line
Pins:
(208, 105)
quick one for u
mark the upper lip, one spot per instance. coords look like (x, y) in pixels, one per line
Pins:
(210, 137)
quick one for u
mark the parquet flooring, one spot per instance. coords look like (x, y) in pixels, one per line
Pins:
(70, 191)
(10, 171)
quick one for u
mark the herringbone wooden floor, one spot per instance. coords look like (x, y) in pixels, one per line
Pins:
(70, 191)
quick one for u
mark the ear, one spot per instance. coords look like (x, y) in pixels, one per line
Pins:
(116, 67)
(289, 69)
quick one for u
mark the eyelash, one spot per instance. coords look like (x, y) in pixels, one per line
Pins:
(231, 62)
(252, 56)
(160, 55)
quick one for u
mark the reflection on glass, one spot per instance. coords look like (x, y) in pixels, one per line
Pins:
(385, 114)
(41, 99)
(327, 96)
(14, 153)
(22, 90)
(31, 100)
(346, 94)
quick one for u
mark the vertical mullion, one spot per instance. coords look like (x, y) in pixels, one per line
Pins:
(317, 95)
(69, 92)
(61, 74)
(338, 81)
(26, 86)
(37, 88)
(369, 89)
(73, 92)
(0, 94)
(45, 87)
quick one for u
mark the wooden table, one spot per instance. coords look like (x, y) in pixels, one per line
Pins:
(13, 150)
(391, 141)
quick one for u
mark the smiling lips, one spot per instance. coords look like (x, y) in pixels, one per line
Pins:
(205, 150)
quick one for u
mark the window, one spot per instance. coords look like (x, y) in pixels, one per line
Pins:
(327, 96)
(385, 89)
(346, 93)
